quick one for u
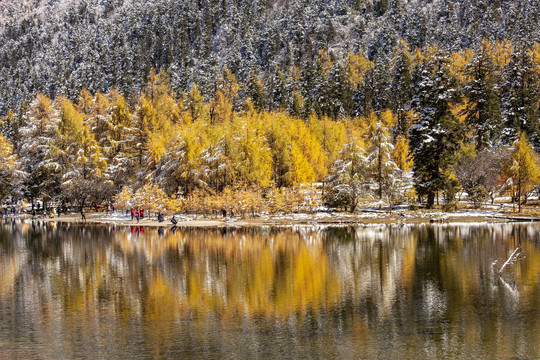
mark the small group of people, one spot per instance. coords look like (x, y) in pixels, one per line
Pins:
(138, 214)
(61, 209)
(161, 218)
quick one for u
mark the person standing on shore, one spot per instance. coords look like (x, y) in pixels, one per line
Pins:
(83, 215)
(132, 214)
(137, 215)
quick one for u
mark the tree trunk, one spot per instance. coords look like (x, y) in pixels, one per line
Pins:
(380, 174)
(519, 198)
(430, 200)
(352, 205)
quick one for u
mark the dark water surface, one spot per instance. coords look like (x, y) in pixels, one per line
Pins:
(388, 292)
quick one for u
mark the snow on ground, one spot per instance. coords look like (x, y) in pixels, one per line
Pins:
(366, 213)
(116, 216)
(322, 216)
(472, 213)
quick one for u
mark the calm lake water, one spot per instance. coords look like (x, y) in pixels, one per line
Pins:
(388, 292)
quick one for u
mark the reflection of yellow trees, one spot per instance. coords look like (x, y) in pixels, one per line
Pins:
(264, 274)
(385, 275)
(9, 269)
(306, 282)
(81, 285)
(11, 261)
(161, 300)
(409, 263)
(530, 270)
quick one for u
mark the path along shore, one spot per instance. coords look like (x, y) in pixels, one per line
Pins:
(319, 218)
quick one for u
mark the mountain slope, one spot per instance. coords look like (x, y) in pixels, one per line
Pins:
(61, 46)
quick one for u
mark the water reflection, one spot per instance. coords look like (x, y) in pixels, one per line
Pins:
(380, 291)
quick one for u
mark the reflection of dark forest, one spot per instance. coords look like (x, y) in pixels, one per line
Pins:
(309, 290)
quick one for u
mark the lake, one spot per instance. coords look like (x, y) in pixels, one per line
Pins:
(376, 292)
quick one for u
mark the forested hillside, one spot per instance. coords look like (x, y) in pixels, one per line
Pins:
(60, 46)
(215, 99)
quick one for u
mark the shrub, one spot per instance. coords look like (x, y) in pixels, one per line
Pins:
(477, 195)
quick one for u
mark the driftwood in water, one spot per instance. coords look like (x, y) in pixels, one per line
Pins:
(512, 258)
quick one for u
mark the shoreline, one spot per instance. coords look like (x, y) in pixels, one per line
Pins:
(314, 219)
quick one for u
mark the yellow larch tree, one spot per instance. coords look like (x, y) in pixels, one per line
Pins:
(101, 104)
(152, 198)
(85, 103)
(157, 112)
(78, 157)
(8, 167)
(124, 199)
(459, 61)
(309, 147)
(356, 66)
(302, 170)
(252, 156)
(229, 87)
(220, 109)
(400, 155)
(502, 52)
(524, 168)
(331, 135)
(324, 63)
(388, 119)
(536, 58)
(195, 105)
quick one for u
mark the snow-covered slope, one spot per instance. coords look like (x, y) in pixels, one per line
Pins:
(59, 46)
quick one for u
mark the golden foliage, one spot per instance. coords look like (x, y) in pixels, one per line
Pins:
(501, 51)
(459, 61)
(220, 109)
(400, 155)
(324, 63)
(8, 160)
(356, 66)
(254, 147)
(331, 135)
(85, 103)
(151, 198)
(523, 167)
(124, 199)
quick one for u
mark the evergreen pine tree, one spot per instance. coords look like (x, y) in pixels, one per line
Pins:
(520, 96)
(402, 87)
(347, 179)
(379, 155)
(435, 136)
(482, 112)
